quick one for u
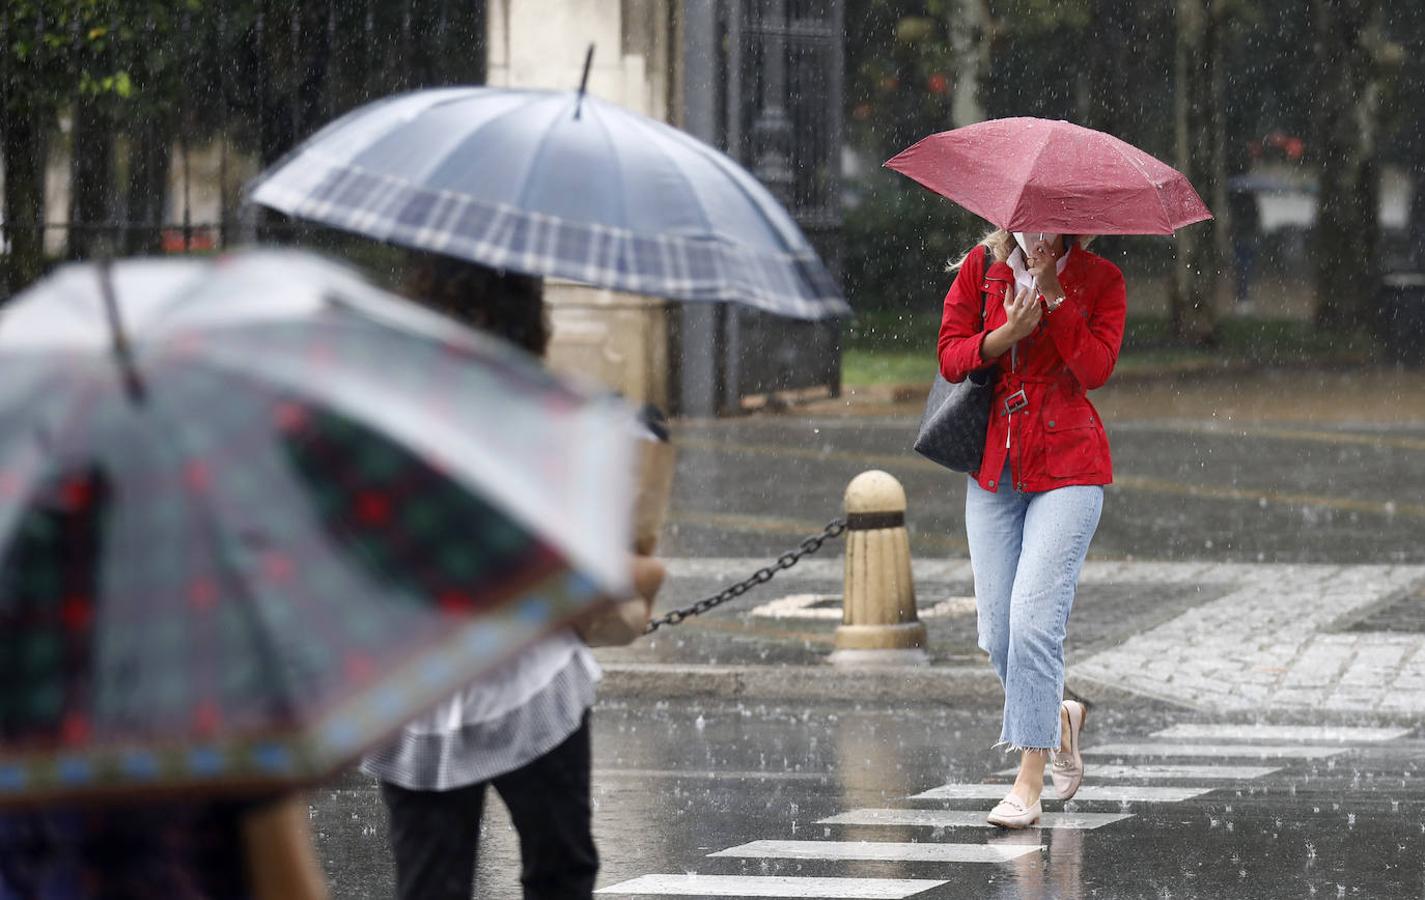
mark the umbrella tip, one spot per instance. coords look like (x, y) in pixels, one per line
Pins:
(584, 81)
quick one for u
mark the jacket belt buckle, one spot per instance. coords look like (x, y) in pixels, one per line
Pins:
(1015, 402)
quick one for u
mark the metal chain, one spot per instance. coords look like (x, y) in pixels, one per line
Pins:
(834, 528)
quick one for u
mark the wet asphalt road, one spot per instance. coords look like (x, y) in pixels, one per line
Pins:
(676, 782)
(1184, 488)
(1215, 475)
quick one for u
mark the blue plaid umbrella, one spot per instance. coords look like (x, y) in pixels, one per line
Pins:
(556, 184)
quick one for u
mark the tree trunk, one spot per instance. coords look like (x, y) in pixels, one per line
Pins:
(150, 156)
(1344, 242)
(25, 145)
(971, 32)
(91, 202)
(1198, 283)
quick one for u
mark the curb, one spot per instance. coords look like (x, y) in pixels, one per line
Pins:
(936, 685)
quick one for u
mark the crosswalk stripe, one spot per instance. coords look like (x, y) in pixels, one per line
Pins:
(1324, 734)
(1119, 793)
(891, 851)
(1166, 773)
(959, 818)
(773, 886)
(714, 775)
(1216, 751)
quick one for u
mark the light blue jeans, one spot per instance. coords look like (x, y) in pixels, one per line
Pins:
(1026, 550)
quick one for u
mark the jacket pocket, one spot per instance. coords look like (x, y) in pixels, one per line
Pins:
(1072, 442)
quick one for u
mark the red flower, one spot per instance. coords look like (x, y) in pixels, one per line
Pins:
(373, 508)
(206, 717)
(203, 594)
(290, 416)
(75, 728)
(76, 613)
(456, 602)
(277, 566)
(76, 494)
(359, 667)
(197, 476)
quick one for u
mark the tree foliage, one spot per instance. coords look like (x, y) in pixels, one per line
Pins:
(136, 79)
(1333, 88)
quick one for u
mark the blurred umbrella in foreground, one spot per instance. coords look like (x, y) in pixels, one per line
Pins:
(1026, 174)
(555, 184)
(281, 517)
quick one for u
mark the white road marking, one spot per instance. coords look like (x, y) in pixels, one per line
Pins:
(1121, 794)
(960, 818)
(881, 850)
(1167, 773)
(1324, 734)
(773, 886)
(705, 775)
(1215, 751)
(828, 607)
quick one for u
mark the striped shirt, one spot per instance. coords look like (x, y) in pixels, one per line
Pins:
(508, 718)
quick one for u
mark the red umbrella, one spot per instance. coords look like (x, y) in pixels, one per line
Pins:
(1026, 174)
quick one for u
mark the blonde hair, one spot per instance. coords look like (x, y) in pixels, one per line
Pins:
(1001, 244)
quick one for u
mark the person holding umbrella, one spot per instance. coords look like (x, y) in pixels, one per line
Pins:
(493, 189)
(523, 728)
(1053, 322)
(1041, 318)
(234, 555)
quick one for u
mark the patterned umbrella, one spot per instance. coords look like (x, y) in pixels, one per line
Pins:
(555, 184)
(284, 516)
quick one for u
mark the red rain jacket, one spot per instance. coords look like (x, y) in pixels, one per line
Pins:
(1057, 438)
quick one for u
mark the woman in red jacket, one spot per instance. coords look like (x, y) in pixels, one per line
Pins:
(1052, 324)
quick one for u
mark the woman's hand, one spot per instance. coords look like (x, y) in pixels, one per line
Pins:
(1044, 266)
(1022, 314)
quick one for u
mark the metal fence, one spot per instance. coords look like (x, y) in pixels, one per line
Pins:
(210, 95)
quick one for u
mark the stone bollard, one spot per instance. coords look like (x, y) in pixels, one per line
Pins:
(879, 623)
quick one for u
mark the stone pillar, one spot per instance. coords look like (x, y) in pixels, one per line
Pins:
(879, 621)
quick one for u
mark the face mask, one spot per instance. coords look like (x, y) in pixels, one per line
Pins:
(1024, 238)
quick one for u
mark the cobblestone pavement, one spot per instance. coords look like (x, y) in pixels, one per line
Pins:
(1254, 639)
(1278, 640)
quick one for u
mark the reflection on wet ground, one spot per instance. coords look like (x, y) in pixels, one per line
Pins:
(676, 784)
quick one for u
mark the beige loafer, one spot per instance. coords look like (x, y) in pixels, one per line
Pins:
(1012, 813)
(1067, 767)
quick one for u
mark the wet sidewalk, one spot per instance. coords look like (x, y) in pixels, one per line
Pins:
(1280, 641)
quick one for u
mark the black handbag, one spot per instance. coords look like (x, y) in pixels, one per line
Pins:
(952, 429)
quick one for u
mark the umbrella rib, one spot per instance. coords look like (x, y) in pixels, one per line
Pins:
(1157, 189)
(593, 111)
(1033, 164)
(231, 573)
(537, 157)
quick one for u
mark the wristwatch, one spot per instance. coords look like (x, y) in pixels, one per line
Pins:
(1051, 305)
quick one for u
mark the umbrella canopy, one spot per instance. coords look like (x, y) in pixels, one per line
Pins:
(555, 184)
(295, 512)
(1026, 174)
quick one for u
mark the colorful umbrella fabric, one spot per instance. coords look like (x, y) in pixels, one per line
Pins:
(299, 514)
(555, 184)
(1026, 174)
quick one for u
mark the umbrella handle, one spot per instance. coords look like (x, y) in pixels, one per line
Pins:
(584, 81)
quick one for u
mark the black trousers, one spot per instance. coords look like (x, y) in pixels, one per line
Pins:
(435, 834)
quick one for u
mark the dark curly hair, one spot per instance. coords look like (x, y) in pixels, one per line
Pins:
(504, 304)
